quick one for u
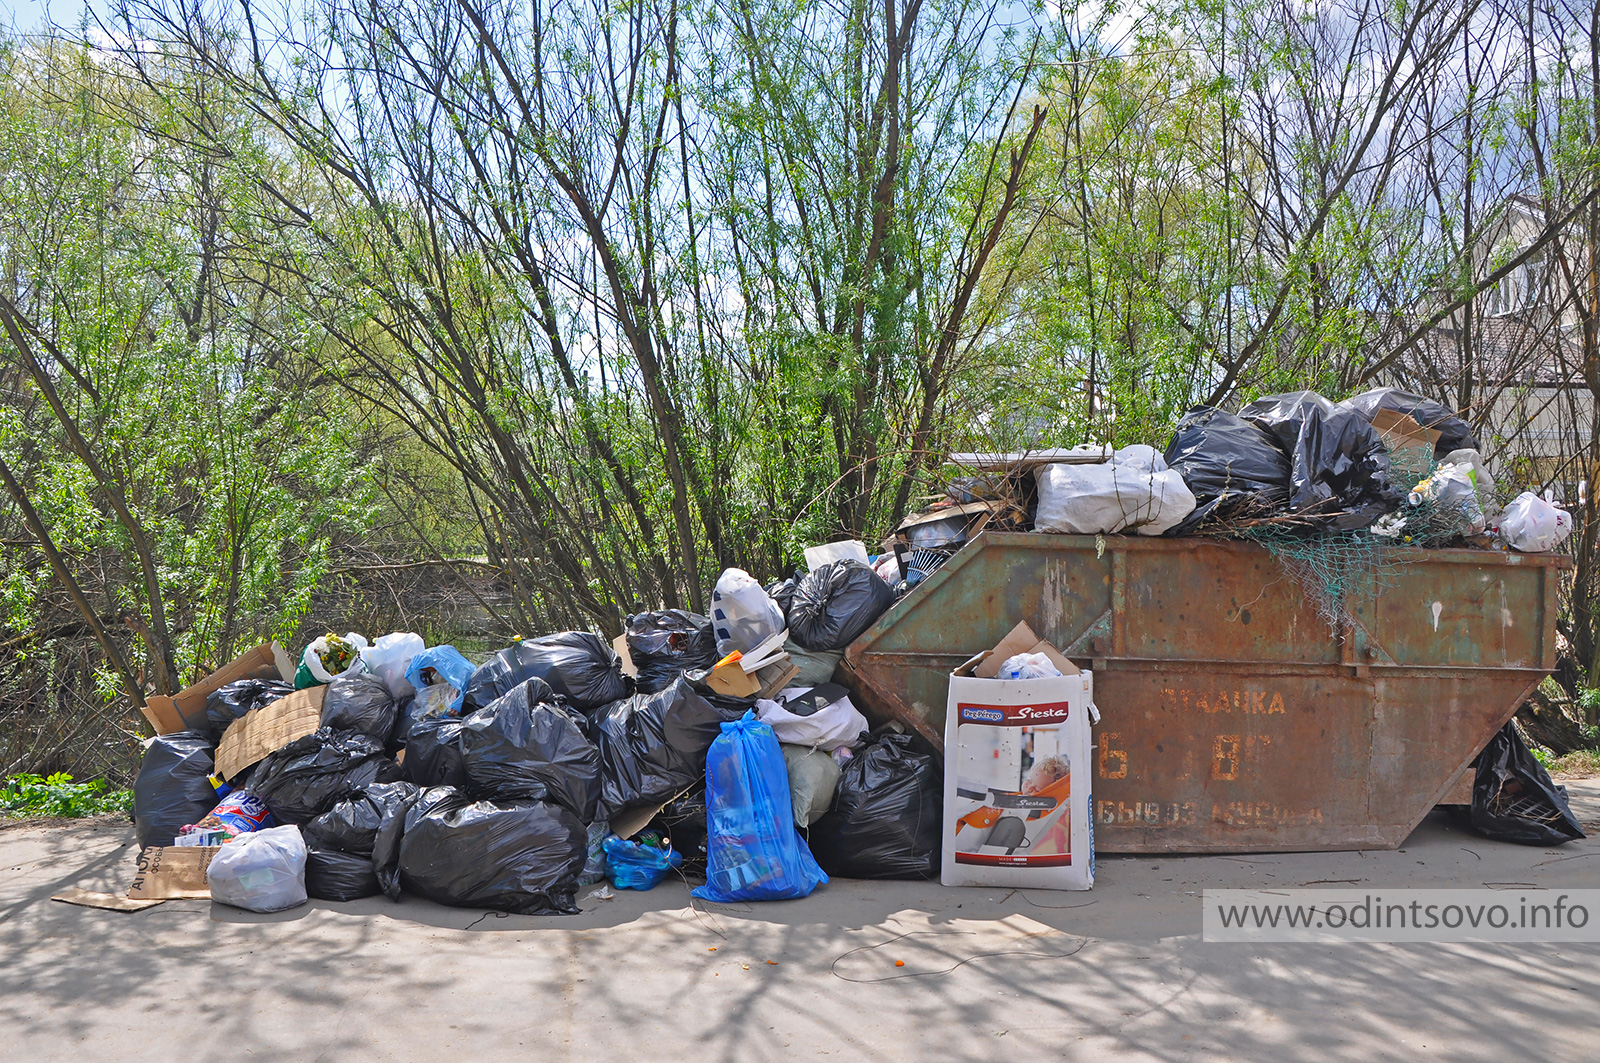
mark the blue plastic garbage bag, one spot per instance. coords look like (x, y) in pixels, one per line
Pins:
(451, 666)
(631, 866)
(753, 852)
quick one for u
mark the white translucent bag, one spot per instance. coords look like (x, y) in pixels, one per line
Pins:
(742, 614)
(1094, 499)
(1533, 526)
(390, 656)
(312, 658)
(264, 871)
(837, 724)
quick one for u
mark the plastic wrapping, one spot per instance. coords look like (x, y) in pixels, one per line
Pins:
(173, 789)
(836, 603)
(390, 656)
(360, 702)
(261, 872)
(1096, 499)
(433, 753)
(1338, 464)
(232, 700)
(742, 615)
(1227, 464)
(441, 667)
(886, 820)
(820, 717)
(653, 746)
(1532, 525)
(236, 813)
(665, 644)
(309, 775)
(1514, 798)
(351, 825)
(1454, 433)
(513, 856)
(813, 777)
(578, 665)
(754, 851)
(332, 875)
(631, 866)
(526, 745)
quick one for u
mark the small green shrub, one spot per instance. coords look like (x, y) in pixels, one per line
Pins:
(58, 795)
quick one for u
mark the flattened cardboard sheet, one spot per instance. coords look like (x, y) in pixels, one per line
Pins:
(167, 872)
(268, 729)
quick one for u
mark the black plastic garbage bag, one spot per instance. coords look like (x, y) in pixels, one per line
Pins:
(683, 821)
(309, 775)
(513, 856)
(172, 789)
(332, 875)
(578, 665)
(359, 702)
(782, 592)
(351, 825)
(1454, 433)
(666, 644)
(433, 753)
(653, 746)
(834, 604)
(232, 700)
(396, 819)
(886, 816)
(1515, 800)
(527, 745)
(1227, 464)
(1339, 467)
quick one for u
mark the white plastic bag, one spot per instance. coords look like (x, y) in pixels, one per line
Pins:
(1533, 526)
(1482, 481)
(1092, 499)
(312, 658)
(742, 614)
(1453, 490)
(390, 656)
(1140, 457)
(264, 871)
(1028, 666)
(837, 724)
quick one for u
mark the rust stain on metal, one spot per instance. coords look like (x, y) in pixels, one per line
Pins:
(1232, 720)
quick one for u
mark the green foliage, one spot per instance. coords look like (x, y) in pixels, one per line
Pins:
(58, 796)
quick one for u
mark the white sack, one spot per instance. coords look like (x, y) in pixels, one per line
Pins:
(743, 616)
(263, 871)
(827, 729)
(1092, 499)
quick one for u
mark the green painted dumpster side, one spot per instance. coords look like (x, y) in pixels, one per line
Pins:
(1233, 718)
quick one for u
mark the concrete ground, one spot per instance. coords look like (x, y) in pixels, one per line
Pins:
(990, 974)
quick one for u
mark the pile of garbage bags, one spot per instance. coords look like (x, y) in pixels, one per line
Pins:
(496, 785)
(1300, 464)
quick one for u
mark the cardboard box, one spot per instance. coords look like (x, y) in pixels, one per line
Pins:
(167, 872)
(1017, 802)
(733, 681)
(1409, 444)
(186, 710)
(268, 729)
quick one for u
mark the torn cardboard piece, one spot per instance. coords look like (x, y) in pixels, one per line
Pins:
(108, 901)
(1410, 445)
(268, 729)
(1021, 639)
(168, 872)
(186, 710)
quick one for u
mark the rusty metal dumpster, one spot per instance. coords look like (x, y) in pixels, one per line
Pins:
(1233, 718)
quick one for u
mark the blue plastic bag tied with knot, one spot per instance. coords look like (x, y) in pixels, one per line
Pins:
(753, 852)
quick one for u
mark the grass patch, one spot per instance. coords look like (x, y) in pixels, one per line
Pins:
(28, 796)
(1580, 763)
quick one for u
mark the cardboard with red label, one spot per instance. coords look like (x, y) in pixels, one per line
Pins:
(1017, 801)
